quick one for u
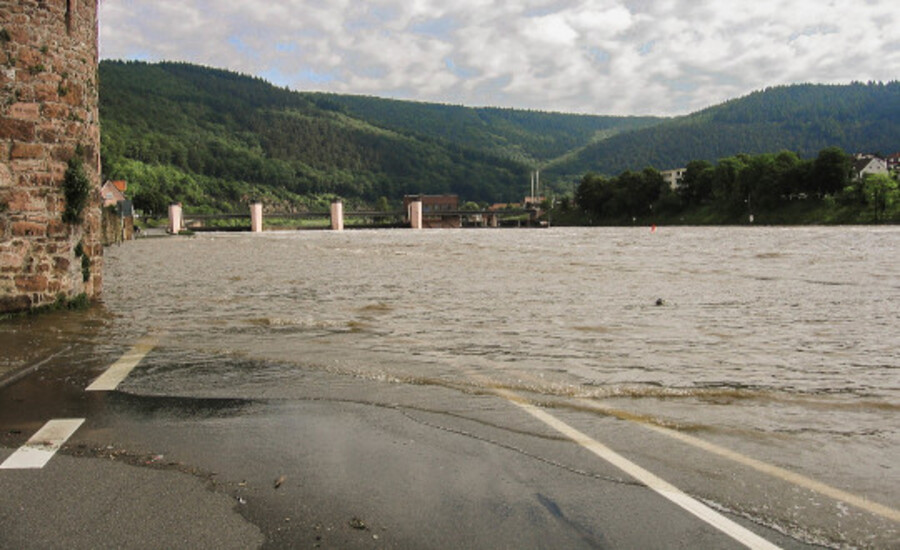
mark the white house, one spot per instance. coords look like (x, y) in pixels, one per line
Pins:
(673, 177)
(869, 165)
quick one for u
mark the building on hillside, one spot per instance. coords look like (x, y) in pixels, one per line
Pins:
(869, 165)
(433, 203)
(438, 211)
(893, 162)
(497, 206)
(113, 192)
(673, 178)
(533, 202)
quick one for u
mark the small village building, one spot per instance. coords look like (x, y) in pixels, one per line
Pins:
(893, 162)
(113, 192)
(866, 164)
(533, 202)
(674, 177)
(438, 211)
(117, 222)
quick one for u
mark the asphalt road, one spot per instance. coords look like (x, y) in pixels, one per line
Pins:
(345, 463)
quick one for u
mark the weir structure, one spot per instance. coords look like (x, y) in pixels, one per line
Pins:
(50, 214)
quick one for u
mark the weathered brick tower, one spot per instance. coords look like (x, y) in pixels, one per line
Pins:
(49, 152)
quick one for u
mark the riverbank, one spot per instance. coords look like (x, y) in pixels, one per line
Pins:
(797, 212)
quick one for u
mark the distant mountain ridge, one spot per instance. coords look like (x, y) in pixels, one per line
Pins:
(213, 138)
(803, 118)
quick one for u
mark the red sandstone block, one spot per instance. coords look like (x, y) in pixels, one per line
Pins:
(29, 229)
(32, 283)
(57, 228)
(28, 58)
(63, 153)
(23, 201)
(57, 111)
(45, 179)
(46, 92)
(74, 95)
(6, 176)
(48, 133)
(25, 111)
(19, 130)
(27, 151)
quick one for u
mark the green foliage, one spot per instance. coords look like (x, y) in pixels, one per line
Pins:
(85, 268)
(85, 261)
(622, 199)
(803, 118)
(382, 204)
(775, 188)
(211, 138)
(76, 189)
(881, 194)
(532, 137)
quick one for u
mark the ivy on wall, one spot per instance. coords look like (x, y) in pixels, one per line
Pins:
(76, 188)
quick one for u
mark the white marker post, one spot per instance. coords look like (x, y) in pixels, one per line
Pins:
(256, 217)
(415, 214)
(175, 220)
(337, 215)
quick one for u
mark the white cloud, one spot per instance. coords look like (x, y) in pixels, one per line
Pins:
(599, 56)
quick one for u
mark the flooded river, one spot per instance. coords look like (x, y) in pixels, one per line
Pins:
(781, 341)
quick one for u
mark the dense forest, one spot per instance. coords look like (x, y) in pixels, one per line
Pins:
(766, 188)
(801, 118)
(214, 139)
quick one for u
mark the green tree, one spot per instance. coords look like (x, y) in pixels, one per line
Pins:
(880, 191)
(382, 204)
(725, 188)
(697, 183)
(831, 171)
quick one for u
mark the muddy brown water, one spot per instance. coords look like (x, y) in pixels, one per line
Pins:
(780, 342)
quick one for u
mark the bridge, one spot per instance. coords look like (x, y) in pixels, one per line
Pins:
(336, 219)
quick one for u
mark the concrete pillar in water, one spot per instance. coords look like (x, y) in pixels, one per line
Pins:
(175, 219)
(415, 214)
(495, 222)
(256, 217)
(337, 215)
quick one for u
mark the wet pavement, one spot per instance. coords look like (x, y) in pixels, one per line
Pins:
(347, 463)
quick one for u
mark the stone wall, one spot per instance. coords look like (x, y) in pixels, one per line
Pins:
(48, 114)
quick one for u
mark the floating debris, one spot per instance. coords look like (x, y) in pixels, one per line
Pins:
(280, 481)
(357, 523)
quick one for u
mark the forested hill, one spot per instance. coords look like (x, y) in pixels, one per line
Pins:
(533, 137)
(801, 118)
(213, 139)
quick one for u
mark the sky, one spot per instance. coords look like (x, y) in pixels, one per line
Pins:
(606, 57)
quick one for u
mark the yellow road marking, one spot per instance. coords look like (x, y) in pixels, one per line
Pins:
(758, 465)
(651, 480)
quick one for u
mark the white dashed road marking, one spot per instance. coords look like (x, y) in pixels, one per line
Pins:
(651, 480)
(38, 450)
(118, 371)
